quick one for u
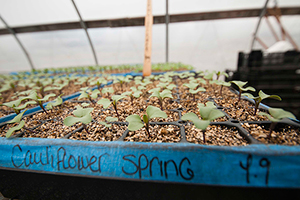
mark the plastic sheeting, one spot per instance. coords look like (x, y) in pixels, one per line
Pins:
(212, 44)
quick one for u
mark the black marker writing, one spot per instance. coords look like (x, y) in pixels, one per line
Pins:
(142, 163)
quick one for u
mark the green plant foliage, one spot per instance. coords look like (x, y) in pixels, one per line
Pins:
(41, 84)
(136, 92)
(106, 102)
(276, 114)
(26, 83)
(192, 85)
(17, 120)
(7, 86)
(108, 90)
(219, 73)
(108, 121)
(200, 124)
(89, 94)
(144, 82)
(85, 104)
(210, 75)
(98, 81)
(161, 95)
(136, 123)
(122, 80)
(33, 96)
(81, 115)
(82, 80)
(241, 85)
(261, 96)
(222, 83)
(13, 104)
(208, 113)
(58, 101)
(166, 85)
(57, 86)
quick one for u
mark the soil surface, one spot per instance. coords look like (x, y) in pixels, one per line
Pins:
(50, 124)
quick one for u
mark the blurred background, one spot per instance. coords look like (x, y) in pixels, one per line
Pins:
(207, 44)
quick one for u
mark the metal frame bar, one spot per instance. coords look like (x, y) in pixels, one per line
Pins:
(87, 34)
(167, 31)
(19, 42)
(262, 13)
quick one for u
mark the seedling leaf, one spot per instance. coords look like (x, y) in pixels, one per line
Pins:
(15, 128)
(153, 112)
(111, 119)
(105, 102)
(70, 120)
(135, 122)
(276, 114)
(58, 101)
(17, 118)
(80, 112)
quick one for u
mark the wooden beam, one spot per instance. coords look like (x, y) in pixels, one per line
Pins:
(271, 28)
(139, 21)
(148, 40)
(261, 42)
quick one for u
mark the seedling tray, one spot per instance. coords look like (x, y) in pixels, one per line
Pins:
(256, 165)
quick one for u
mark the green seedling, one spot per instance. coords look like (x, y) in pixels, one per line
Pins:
(58, 101)
(208, 113)
(15, 105)
(200, 81)
(106, 103)
(108, 90)
(41, 85)
(165, 79)
(108, 121)
(219, 73)
(192, 85)
(221, 83)
(161, 95)
(85, 104)
(276, 114)
(34, 96)
(20, 124)
(210, 76)
(27, 84)
(82, 80)
(7, 86)
(122, 80)
(185, 75)
(98, 81)
(241, 85)
(143, 82)
(138, 78)
(134, 93)
(261, 96)
(166, 85)
(58, 86)
(89, 94)
(81, 115)
(136, 123)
